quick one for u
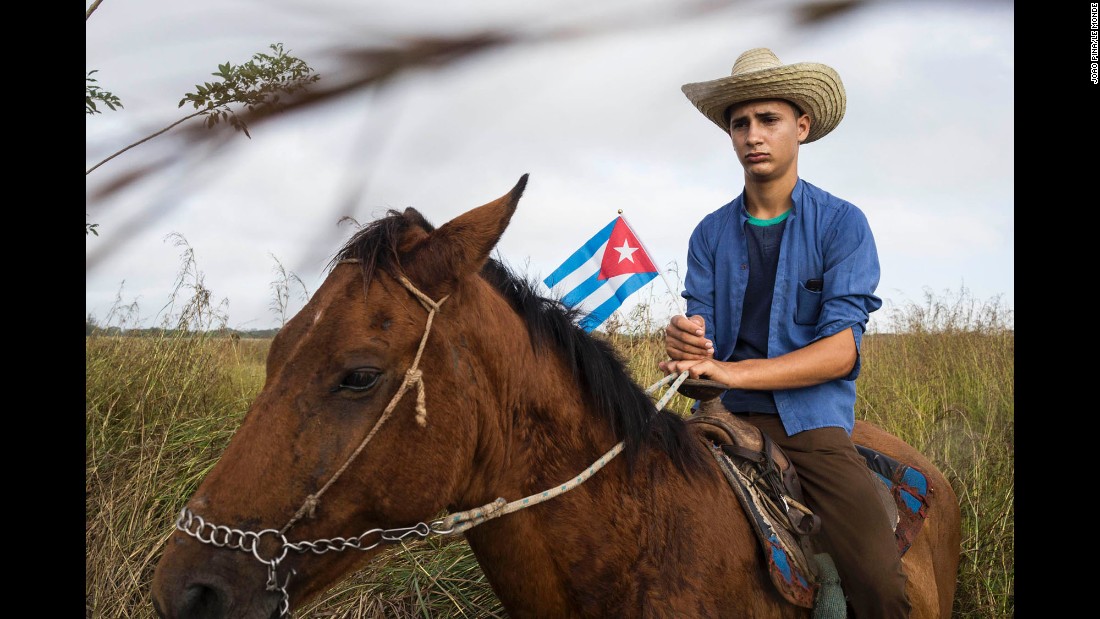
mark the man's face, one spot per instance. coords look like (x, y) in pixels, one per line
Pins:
(766, 134)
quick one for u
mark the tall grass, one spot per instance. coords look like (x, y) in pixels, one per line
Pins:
(159, 411)
(943, 379)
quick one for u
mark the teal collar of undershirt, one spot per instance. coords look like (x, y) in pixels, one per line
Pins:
(768, 222)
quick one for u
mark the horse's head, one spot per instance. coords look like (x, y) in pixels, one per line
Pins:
(357, 427)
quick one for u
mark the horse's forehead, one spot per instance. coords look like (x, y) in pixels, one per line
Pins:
(342, 289)
(343, 299)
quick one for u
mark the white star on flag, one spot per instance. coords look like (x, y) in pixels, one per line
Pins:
(626, 251)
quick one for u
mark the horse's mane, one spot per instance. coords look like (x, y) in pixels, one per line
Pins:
(595, 364)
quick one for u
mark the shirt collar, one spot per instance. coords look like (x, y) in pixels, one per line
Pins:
(796, 201)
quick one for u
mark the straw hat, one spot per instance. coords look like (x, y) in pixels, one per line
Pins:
(758, 74)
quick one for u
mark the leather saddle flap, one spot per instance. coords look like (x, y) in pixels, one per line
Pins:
(724, 428)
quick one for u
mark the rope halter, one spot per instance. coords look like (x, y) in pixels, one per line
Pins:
(413, 376)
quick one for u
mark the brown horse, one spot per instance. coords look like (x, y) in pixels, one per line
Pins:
(425, 377)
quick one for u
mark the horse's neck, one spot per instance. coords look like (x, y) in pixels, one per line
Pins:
(536, 429)
(575, 549)
(620, 544)
(627, 544)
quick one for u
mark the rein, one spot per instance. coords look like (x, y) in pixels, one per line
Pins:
(248, 541)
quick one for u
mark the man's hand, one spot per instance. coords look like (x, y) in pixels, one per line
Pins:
(705, 368)
(829, 358)
(685, 339)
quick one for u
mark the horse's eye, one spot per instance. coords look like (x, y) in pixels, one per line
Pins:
(360, 380)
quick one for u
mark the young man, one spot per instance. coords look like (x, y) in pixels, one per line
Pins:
(779, 287)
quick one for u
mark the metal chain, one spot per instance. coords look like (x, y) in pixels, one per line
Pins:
(249, 541)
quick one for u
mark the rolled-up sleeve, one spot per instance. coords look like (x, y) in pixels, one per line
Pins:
(850, 279)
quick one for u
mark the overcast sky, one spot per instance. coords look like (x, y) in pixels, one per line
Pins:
(598, 121)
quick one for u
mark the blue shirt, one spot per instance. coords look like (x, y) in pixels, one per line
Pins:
(825, 238)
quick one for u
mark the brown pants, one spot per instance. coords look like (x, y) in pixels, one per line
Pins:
(855, 529)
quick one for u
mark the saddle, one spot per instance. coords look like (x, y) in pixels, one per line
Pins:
(766, 484)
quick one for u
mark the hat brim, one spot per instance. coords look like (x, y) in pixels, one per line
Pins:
(814, 87)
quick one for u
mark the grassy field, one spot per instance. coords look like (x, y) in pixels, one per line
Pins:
(159, 411)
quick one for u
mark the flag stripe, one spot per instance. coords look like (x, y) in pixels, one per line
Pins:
(593, 248)
(589, 269)
(605, 292)
(585, 288)
(604, 310)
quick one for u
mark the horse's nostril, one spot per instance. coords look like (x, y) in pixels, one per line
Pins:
(203, 602)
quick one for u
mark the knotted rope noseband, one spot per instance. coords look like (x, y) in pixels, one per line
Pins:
(249, 541)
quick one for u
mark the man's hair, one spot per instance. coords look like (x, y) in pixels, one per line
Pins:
(794, 106)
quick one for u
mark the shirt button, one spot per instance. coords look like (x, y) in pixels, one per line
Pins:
(744, 267)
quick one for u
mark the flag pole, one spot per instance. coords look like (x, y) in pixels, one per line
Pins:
(661, 272)
(679, 305)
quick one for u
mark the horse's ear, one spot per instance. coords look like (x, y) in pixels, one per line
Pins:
(462, 245)
(416, 230)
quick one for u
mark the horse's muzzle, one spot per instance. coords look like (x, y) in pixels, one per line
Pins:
(193, 582)
(211, 601)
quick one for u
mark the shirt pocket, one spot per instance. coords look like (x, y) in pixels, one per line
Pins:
(808, 305)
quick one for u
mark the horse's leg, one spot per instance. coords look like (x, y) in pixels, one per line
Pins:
(931, 563)
(922, 588)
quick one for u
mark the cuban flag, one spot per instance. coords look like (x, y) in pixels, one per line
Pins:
(600, 275)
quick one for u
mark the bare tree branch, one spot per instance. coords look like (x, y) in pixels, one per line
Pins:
(91, 9)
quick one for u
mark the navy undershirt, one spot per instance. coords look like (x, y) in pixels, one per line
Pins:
(764, 238)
